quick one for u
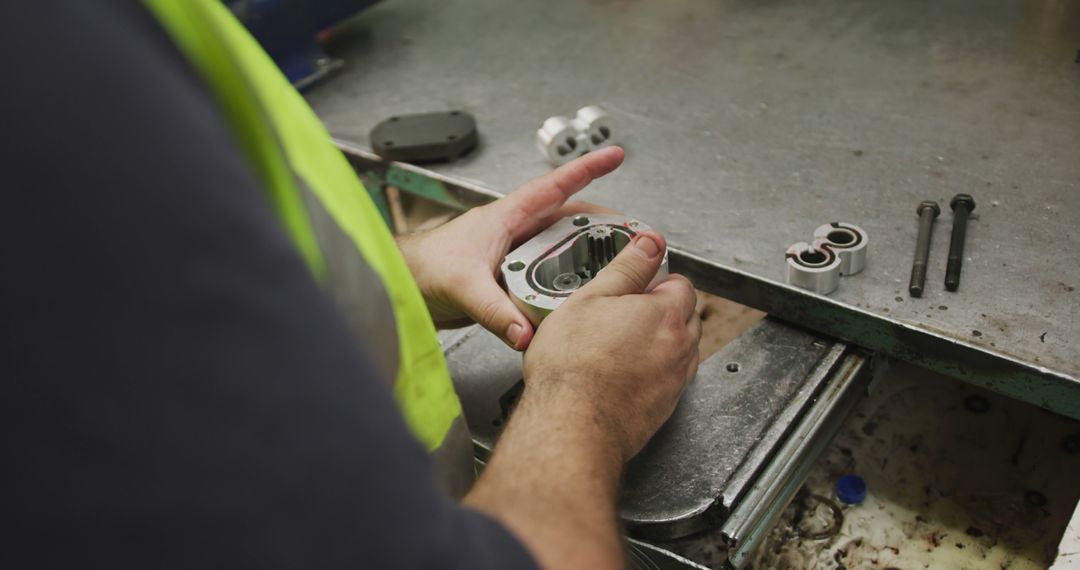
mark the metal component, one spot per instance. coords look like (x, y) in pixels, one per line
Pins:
(645, 556)
(562, 140)
(756, 514)
(544, 271)
(725, 429)
(927, 211)
(814, 268)
(596, 123)
(820, 145)
(962, 205)
(968, 358)
(848, 241)
(567, 282)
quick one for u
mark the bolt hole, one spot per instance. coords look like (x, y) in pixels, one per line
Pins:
(581, 221)
(516, 265)
(603, 135)
(732, 367)
(388, 143)
(394, 119)
(455, 113)
(530, 297)
(568, 146)
(451, 137)
(813, 257)
(841, 237)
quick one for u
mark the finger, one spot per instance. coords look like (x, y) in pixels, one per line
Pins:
(574, 207)
(632, 270)
(529, 206)
(579, 207)
(694, 328)
(487, 304)
(691, 371)
(568, 209)
(678, 291)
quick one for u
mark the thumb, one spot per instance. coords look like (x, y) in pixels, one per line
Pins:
(632, 270)
(487, 304)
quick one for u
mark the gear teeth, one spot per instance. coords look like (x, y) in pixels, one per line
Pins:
(601, 248)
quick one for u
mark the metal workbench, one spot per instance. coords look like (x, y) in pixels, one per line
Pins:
(748, 124)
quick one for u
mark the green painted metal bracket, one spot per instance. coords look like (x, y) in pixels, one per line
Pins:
(424, 187)
(376, 188)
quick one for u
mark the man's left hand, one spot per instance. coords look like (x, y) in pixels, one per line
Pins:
(457, 264)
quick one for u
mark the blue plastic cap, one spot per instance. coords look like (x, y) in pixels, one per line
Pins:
(851, 489)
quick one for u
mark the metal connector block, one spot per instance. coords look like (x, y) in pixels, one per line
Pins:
(848, 241)
(544, 271)
(562, 140)
(813, 268)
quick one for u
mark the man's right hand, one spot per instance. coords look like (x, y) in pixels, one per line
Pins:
(602, 374)
(621, 352)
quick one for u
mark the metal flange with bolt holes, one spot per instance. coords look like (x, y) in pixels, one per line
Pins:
(544, 271)
(849, 243)
(813, 268)
(562, 140)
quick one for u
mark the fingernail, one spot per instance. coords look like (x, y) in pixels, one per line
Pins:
(513, 334)
(648, 246)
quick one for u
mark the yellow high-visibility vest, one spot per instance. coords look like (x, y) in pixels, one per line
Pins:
(302, 170)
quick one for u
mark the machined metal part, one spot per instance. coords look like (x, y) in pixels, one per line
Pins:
(848, 241)
(746, 527)
(730, 421)
(544, 271)
(645, 556)
(814, 268)
(773, 385)
(561, 139)
(962, 205)
(927, 211)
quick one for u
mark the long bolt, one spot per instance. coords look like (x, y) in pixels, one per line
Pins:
(962, 205)
(927, 211)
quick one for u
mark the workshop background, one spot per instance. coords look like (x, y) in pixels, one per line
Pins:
(747, 126)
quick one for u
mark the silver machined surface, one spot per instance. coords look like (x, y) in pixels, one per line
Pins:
(745, 399)
(813, 267)
(848, 241)
(782, 476)
(726, 429)
(543, 272)
(561, 140)
(739, 119)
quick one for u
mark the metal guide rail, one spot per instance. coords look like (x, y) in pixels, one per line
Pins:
(746, 431)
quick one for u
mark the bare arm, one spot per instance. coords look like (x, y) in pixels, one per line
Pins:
(602, 374)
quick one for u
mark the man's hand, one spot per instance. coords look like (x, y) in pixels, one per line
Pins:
(625, 353)
(603, 373)
(457, 265)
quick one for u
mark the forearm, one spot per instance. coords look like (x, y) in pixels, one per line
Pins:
(553, 480)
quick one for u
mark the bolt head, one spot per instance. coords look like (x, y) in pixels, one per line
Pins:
(928, 204)
(962, 199)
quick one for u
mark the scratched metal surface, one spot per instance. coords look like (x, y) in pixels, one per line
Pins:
(727, 426)
(747, 124)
